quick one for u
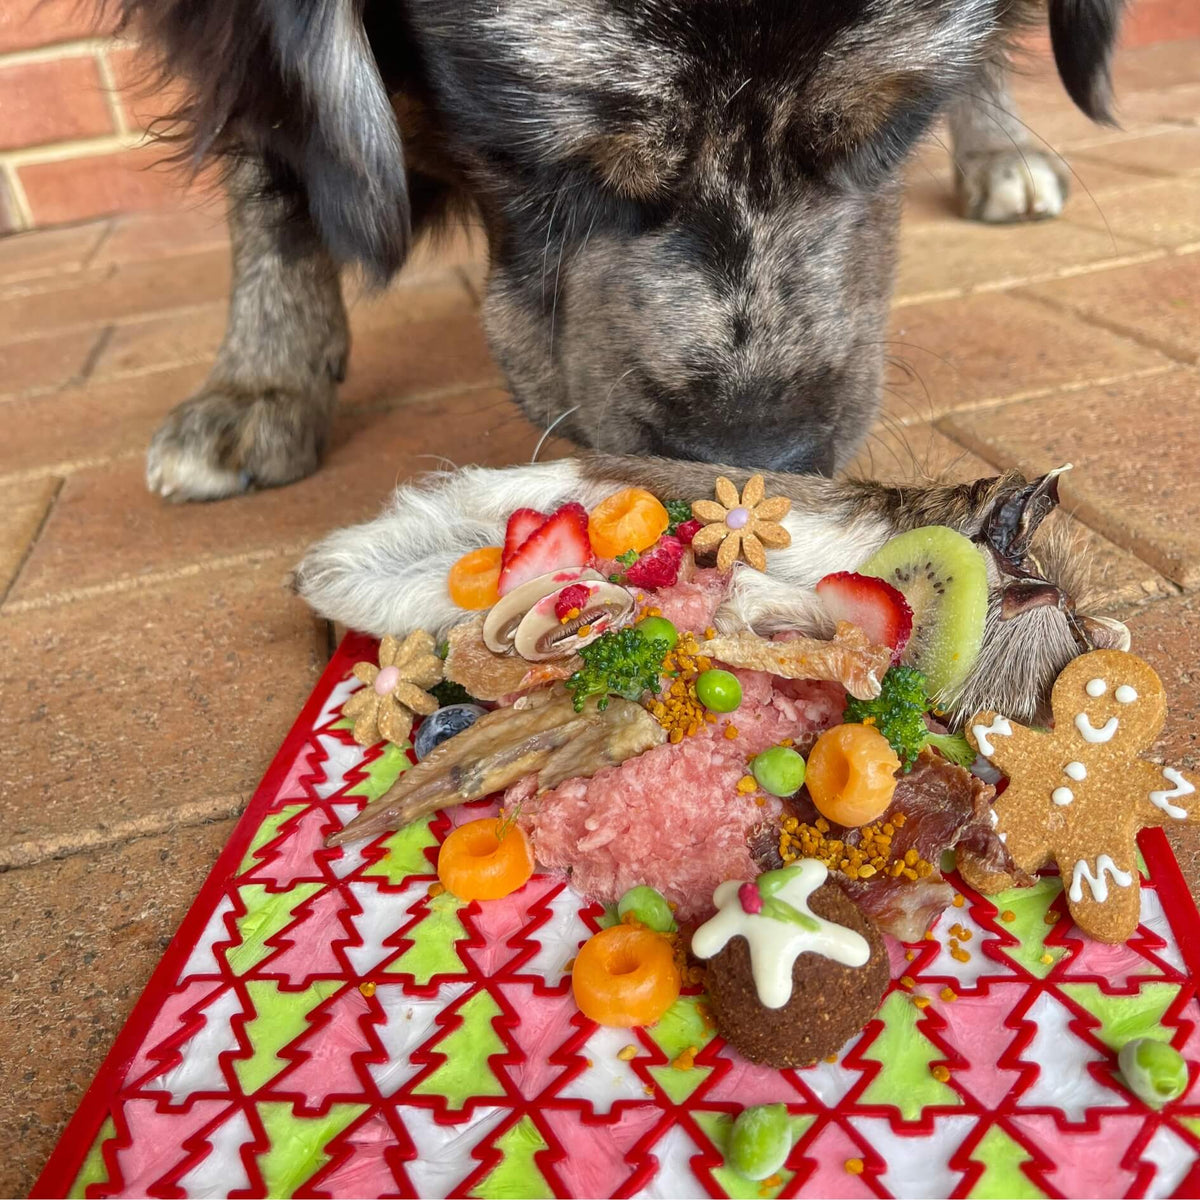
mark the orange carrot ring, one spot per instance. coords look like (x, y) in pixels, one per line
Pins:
(625, 976)
(851, 774)
(631, 519)
(475, 863)
(474, 580)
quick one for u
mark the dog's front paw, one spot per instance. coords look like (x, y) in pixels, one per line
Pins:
(1011, 185)
(225, 440)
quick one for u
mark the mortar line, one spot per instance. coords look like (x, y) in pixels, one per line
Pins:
(30, 853)
(133, 583)
(51, 504)
(1115, 327)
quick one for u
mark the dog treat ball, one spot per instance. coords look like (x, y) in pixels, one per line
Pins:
(794, 969)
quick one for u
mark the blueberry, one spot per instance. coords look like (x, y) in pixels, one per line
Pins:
(443, 724)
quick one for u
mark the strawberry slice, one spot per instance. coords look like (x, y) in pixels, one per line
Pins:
(520, 525)
(877, 608)
(560, 541)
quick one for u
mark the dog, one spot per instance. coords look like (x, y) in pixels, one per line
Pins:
(690, 205)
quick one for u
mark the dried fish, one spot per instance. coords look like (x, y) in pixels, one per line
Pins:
(542, 734)
(849, 658)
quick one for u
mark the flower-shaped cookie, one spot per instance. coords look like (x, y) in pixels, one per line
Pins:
(741, 525)
(383, 710)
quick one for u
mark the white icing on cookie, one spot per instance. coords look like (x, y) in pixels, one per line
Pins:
(1000, 727)
(1097, 882)
(1062, 796)
(1090, 733)
(776, 944)
(1096, 687)
(1163, 799)
(1125, 694)
(1075, 771)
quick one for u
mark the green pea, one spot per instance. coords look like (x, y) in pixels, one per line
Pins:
(718, 690)
(1154, 1071)
(779, 770)
(649, 907)
(658, 628)
(760, 1141)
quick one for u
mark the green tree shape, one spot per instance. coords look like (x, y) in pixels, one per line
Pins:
(1123, 1018)
(404, 853)
(94, 1169)
(1001, 1157)
(516, 1176)
(380, 773)
(717, 1127)
(280, 1018)
(267, 913)
(434, 940)
(268, 831)
(297, 1144)
(678, 1029)
(904, 1055)
(465, 1070)
(1029, 907)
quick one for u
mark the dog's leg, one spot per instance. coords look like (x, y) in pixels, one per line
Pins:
(262, 416)
(1002, 173)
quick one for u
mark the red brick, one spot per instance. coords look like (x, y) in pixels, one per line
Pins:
(143, 99)
(1159, 21)
(28, 23)
(56, 101)
(74, 189)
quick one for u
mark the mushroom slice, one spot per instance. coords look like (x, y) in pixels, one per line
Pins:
(542, 634)
(500, 625)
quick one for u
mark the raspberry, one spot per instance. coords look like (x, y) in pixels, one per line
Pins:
(574, 597)
(659, 566)
(686, 530)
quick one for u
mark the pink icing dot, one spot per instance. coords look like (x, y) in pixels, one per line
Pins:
(750, 899)
(737, 518)
(386, 680)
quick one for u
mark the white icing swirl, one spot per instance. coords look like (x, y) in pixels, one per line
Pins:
(1125, 694)
(1096, 687)
(775, 945)
(1163, 799)
(1000, 727)
(1062, 796)
(1076, 771)
(1090, 733)
(1097, 882)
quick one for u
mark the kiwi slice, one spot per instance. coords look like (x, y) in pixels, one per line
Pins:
(943, 577)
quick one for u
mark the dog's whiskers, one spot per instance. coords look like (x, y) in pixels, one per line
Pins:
(549, 430)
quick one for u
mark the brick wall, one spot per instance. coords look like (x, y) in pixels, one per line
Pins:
(73, 110)
(72, 114)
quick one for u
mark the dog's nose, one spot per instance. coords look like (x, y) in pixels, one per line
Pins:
(779, 450)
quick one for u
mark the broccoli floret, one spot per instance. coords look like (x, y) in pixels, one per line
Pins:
(621, 663)
(678, 511)
(898, 712)
(448, 692)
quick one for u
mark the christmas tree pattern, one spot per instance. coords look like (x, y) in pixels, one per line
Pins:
(336, 1030)
(905, 1058)
(999, 1159)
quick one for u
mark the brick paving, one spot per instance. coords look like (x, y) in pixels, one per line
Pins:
(153, 661)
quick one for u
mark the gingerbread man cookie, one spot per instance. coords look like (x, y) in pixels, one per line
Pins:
(1079, 794)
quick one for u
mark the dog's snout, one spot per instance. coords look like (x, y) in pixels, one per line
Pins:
(784, 449)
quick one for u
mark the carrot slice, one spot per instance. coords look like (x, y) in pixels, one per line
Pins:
(475, 579)
(631, 519)
(625, 976)
(476, 863)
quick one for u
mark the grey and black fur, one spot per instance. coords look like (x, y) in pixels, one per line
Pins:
(690, 205)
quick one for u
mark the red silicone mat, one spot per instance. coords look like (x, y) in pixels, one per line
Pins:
(321, 1026)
